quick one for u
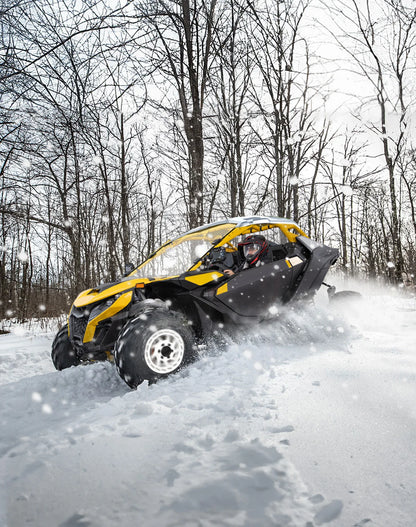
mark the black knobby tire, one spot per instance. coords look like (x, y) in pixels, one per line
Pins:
(63, 353)
(153, 345)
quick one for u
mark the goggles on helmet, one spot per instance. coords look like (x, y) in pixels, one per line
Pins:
(251, 250)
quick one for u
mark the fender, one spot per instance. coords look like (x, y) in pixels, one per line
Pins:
(147, 305)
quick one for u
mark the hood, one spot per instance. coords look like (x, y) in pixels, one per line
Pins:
(103, 291)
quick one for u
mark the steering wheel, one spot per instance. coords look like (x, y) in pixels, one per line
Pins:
(221, 267)
(219, 259)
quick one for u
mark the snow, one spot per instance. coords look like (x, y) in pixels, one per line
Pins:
(310, 421)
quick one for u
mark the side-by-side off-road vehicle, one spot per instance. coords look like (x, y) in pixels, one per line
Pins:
(152, 321)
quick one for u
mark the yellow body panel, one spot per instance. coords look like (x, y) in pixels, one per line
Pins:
(93, 295)
(202, 279)
(117, 306)
(222, 289)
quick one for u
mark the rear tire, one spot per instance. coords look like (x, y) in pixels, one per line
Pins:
(345, 296)
(152, 346)
(63, 353)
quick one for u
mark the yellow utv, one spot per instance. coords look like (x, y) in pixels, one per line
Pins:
(193, 287)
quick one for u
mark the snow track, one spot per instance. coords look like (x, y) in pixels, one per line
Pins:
(253, 436)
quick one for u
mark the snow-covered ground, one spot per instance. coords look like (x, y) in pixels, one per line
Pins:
(308, 422)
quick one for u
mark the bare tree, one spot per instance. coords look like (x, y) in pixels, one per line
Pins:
(289, 132)
(380, 41)
(234, 149)
(181, 52)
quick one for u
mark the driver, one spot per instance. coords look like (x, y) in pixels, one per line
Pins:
(254, 249)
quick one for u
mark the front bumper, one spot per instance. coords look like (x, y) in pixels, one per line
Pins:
(93, 329)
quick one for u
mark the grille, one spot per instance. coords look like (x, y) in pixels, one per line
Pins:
(77, 327)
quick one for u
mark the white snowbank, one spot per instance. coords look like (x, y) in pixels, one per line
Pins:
(309, 422)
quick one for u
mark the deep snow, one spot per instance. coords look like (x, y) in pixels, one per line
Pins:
(310, 421)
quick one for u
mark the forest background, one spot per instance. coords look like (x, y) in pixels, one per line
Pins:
(125, 123)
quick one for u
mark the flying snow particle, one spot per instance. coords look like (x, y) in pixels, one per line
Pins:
(247, 354)
(200, 250)
(346, 190)
(96, 160)
(273, 310)
(294, 181)
(67, 223)
(46, 409)
(42, 307)
(105, 219)
(390, 265)
(340, 329)
(258, 366)
(26, 163)
(23, 256)
(9, 313)
(36, 396)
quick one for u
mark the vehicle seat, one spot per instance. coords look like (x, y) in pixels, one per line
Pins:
(276, 252)
(231, 259)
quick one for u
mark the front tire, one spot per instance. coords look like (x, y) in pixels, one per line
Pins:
(63, 353)
(153, 345)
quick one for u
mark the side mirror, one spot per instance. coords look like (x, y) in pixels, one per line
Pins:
(128, 268)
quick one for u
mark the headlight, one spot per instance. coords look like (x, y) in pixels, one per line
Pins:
(97, 310)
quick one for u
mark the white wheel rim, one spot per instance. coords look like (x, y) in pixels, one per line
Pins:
(164, 351)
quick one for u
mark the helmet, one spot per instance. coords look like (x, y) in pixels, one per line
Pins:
(253, 247)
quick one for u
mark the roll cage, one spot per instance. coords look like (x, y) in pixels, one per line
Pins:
(186, 253)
